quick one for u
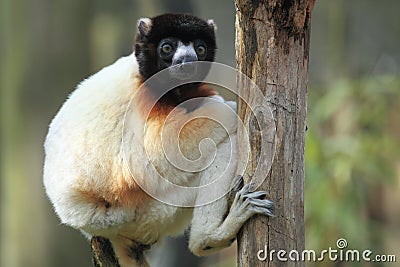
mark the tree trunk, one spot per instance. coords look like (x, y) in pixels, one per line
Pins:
(272, 48)
(103, 253)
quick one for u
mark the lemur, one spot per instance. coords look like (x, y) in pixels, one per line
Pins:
(94, 174)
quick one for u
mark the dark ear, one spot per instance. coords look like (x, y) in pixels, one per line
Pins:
(144, 26)
(212, 24)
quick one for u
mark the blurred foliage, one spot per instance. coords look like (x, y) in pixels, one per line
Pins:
(352, 147)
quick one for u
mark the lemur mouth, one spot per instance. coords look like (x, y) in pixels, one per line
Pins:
(184, 71)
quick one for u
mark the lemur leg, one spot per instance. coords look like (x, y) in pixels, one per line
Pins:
(214, 226)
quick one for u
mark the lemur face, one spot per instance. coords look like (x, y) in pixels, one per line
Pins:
(178, 56)
(174, 41)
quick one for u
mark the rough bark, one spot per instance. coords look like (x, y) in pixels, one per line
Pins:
(272, 48)
(103, 253)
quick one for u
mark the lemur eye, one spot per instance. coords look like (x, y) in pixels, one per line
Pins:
(201, 50)
(166, 48)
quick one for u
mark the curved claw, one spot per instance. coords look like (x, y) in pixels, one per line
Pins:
(239, 183)
(265, 211)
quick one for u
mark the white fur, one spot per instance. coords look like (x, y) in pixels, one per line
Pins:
(144, 25)
(84, 149)
(212, 24)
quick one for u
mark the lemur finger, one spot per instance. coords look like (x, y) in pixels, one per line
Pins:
(263, 210)
(238, 184)
(262, 203)
(256, 195)
(247, 188)
(241, 195)
(263, 206)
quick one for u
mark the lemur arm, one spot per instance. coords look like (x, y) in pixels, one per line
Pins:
(215, 225)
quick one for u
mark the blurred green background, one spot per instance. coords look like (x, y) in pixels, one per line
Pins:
(353, 141)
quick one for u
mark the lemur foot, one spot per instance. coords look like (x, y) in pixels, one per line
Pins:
(248, 202)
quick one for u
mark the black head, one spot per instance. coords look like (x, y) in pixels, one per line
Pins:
(174, 41)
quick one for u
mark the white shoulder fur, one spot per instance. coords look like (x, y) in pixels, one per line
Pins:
(84, 138)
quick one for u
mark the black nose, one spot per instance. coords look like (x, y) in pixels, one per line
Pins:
(184, 67)
(185, 59)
